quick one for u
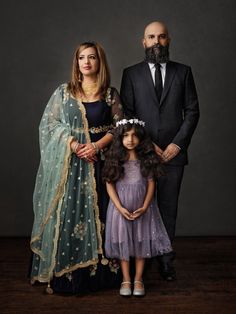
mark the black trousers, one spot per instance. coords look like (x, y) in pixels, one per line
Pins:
(168, 187)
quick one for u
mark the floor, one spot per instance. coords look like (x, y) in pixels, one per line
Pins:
(206, 271)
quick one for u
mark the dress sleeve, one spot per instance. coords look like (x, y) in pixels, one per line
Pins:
(150, 177)
(116, 108)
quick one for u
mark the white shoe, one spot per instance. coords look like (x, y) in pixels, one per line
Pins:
(139, 292)
(125, 292)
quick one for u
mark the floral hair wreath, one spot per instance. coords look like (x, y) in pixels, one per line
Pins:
(131, 121)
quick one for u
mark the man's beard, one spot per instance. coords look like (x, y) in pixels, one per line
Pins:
(157, 54)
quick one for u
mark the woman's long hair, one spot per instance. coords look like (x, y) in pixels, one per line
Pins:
(117, 155)
(103, 75)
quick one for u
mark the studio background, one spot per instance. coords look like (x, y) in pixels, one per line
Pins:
(38, 40)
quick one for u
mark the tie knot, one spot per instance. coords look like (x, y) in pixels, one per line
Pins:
(157, 65)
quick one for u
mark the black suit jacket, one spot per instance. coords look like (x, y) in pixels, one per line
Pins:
(175, 118)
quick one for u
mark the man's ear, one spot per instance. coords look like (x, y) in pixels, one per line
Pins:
(143, 42)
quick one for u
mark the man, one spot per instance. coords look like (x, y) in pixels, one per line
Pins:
(162, 93)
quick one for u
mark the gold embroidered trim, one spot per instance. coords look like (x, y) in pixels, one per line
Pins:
(92, 173)
(79, 130)
(95, 130)
(65, 270)
(108, 97)
(100, 129)
(76, 266)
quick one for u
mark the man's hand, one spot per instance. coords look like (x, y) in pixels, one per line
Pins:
(158, 150)
(170, 152)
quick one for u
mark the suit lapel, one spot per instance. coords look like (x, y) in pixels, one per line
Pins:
(147, 77)
(170, 73)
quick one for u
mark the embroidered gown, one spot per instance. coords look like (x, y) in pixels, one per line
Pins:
(69, 252)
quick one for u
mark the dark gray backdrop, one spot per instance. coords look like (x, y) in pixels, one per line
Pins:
(38, 39)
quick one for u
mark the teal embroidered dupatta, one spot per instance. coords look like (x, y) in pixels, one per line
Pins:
(82, 242)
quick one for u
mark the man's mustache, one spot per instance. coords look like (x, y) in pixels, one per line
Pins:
(156, 47)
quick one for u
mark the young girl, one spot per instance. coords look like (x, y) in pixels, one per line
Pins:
(134, 227)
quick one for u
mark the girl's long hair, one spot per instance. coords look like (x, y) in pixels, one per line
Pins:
(117, 155)
(103, 75)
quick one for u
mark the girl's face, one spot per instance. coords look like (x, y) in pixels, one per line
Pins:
(88, 62)
(130, 140)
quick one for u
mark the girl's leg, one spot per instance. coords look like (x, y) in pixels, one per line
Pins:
(125, 272)
(139, 267)
(125, 288)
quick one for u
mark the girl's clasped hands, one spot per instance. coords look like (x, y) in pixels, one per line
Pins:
(132, 215)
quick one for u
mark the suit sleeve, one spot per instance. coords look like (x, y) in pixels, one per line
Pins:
(127, 95)
(190, 113)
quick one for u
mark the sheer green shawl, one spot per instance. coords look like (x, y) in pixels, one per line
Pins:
(56, 135)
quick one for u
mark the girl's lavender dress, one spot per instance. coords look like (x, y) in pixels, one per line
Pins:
(144, 237)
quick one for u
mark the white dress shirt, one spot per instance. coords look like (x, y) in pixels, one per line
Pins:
(163, 71)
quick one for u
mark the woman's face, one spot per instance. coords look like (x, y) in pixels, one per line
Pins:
(130, 140)
(88, 62)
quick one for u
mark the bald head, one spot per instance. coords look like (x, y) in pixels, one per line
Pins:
(153, 26)
(155, 32)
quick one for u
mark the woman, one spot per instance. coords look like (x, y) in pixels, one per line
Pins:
(70, 200)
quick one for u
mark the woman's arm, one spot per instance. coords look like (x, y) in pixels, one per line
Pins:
(149, 195)
(116, 201)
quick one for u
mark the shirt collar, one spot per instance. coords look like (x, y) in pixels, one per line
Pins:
(152, 65)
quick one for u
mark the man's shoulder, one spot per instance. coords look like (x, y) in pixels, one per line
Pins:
(179, 65)
(135, 67)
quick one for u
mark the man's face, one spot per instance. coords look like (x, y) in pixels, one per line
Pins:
(155, 33)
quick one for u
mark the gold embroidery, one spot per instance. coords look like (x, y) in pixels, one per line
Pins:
(116, 117)
(114, 265)
(108, 97)
(42, 278)
(80, 230)
(92, 173)
(93, 269)
(95, 130)
(100, 129)
(79, 130)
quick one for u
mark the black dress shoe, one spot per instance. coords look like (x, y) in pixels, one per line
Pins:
(167, 272)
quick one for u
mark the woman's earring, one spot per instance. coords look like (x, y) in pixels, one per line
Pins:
(80, 77)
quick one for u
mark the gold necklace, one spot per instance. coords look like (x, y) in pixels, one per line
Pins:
(89, 90)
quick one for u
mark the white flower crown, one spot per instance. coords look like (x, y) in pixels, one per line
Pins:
(131, 121)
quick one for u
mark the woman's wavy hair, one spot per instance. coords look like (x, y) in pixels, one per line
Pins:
(117, 155)
(103, 75)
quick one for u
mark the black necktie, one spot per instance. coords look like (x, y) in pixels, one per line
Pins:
(158, 81)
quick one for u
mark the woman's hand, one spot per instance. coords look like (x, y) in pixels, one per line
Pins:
(87, 152)
(124, 212)
(75, 146)
(139, 212)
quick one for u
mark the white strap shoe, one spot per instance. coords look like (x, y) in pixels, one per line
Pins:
(139, 292)
(125, 292)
